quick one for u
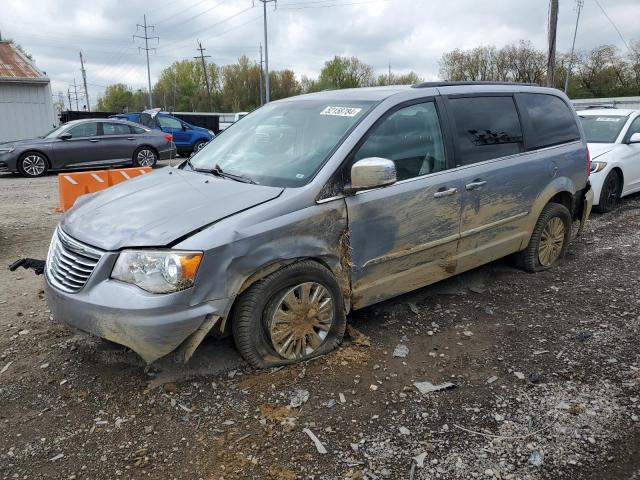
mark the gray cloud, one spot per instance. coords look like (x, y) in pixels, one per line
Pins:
(408, 34)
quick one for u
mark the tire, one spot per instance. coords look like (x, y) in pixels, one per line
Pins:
(610, 193)
(553, 218)
(254, 318)
(33, 164)
(145, 157)
(199, 145)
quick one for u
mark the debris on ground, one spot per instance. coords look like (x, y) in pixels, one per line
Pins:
(401, 351)
(316, 442)
(428, 387)
(298, 397)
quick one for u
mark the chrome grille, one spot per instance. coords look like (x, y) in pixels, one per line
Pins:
(70, 263)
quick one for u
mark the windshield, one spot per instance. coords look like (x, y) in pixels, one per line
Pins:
(282, 144)
(55, 132)
(602, 128)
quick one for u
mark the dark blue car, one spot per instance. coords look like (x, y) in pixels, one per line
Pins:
(186, 137)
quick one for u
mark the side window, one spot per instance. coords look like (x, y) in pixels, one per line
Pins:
(486, 128)
(552, 121)
(84, 130)
(115, 129)
(168, 122)
(633, 128)
(411, 137)
(137, 130)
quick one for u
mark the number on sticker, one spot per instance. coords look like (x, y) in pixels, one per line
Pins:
(341, 111)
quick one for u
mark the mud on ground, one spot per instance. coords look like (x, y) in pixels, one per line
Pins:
(546, 369)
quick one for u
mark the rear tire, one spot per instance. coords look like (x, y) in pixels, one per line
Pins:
(33, 164)
(549, 240)
(610, 193)
(276, 322)
(145, 157)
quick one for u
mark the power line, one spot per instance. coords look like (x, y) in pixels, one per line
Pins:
(291, 6)
(173, 25)
(614, 25)
(146, 48)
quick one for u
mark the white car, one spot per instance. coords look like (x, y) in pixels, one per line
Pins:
(613, 136)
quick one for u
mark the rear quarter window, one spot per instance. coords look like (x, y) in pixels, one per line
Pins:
(551, 121)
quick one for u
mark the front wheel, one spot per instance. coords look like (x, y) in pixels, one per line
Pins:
(33, 165)
(549, 240)
(199, 145)
(145, 157)
(294, 314)
(610, 193)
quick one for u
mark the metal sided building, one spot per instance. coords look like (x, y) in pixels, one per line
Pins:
(26, 105)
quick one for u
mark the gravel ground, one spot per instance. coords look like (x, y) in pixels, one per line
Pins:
(545, 371)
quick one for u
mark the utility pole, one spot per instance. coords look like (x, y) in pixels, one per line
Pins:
(204, 70)
(266, 49)
(146, 48)
(551, 56)
(389, 82)
(75, 91)
(69, 96)
(84, 80)
(261, 74)
(579, 5)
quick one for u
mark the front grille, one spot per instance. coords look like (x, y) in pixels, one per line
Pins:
(70, 263)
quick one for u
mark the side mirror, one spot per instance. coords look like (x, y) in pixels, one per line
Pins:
(65, 136)
(635, 138)
(372, 172)
(185, 127)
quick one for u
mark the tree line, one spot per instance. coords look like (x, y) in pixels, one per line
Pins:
(601, 72)
(236, 87)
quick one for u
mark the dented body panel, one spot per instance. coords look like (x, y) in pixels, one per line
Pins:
(378, 243)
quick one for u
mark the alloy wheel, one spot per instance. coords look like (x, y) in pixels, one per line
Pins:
(301, 320)
(146, 158)
(551, 242)
(34, 165)
(610, 191)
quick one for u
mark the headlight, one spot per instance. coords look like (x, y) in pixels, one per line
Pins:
(157, 271)
(7, 149)
(597, 166)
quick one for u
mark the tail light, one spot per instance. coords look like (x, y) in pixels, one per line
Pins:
(169, 137)
(588, 162)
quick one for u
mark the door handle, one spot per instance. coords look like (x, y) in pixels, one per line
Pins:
(445, 193)
(475, 185)
(94, 140)
(130, 138)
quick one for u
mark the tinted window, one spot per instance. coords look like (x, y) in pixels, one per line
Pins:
(486, 128)
(84, 130)
(115, 129)
(169, 122)
(138, 130)
(411, 137)
(552, 121)
(634, 128)
(602, 128)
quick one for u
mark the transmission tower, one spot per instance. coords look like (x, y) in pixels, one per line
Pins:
(146, 48)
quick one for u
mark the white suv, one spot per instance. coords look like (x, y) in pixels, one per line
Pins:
(613, 136)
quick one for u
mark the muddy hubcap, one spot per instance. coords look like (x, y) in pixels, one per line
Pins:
(33, 165)
(145, 158)
(301, 320)
(551, 242)
(200, 146)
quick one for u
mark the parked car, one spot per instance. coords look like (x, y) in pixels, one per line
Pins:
(614, 142)
(187, 138)
(317, 205)
(92, 143)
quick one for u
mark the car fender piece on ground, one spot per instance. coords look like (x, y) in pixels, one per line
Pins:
(74, 184)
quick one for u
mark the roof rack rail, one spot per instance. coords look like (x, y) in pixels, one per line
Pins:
(454, 84)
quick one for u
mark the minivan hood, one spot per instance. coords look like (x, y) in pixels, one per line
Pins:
(598, 149)
(155, 209)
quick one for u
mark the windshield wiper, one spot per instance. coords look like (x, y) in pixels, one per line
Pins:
(218, 172)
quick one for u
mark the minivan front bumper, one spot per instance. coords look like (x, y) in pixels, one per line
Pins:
(151, 325)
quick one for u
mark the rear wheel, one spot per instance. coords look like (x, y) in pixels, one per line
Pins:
(610, 193)
(145, 157)
(549, 240)
(292, 315)
(33, 164)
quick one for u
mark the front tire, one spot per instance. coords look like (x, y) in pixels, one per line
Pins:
(199, 145)
(145, 157)
(549, 240)
(292, 315)
(610, 193)
(33, 164)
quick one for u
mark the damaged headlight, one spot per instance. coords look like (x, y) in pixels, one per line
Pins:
(157, 271)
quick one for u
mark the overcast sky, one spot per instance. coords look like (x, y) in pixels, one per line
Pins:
(408, 34)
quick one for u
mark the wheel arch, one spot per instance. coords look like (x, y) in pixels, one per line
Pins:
(39, 152)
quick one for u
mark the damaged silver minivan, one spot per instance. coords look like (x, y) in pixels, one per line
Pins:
(317, 205)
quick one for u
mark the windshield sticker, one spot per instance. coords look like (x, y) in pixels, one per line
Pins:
(341, 111)
(299, 175)
(608, 119)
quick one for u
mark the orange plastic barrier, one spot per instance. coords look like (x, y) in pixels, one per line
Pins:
(72, 185)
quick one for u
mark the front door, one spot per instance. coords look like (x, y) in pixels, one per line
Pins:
(404, 236)
(630, 153)
(172, 125)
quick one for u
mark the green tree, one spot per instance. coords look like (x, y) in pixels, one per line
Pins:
(345, 72)
(410, 78)
(241, 85)
(182, 87)
(283, 84)
(120, 97)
